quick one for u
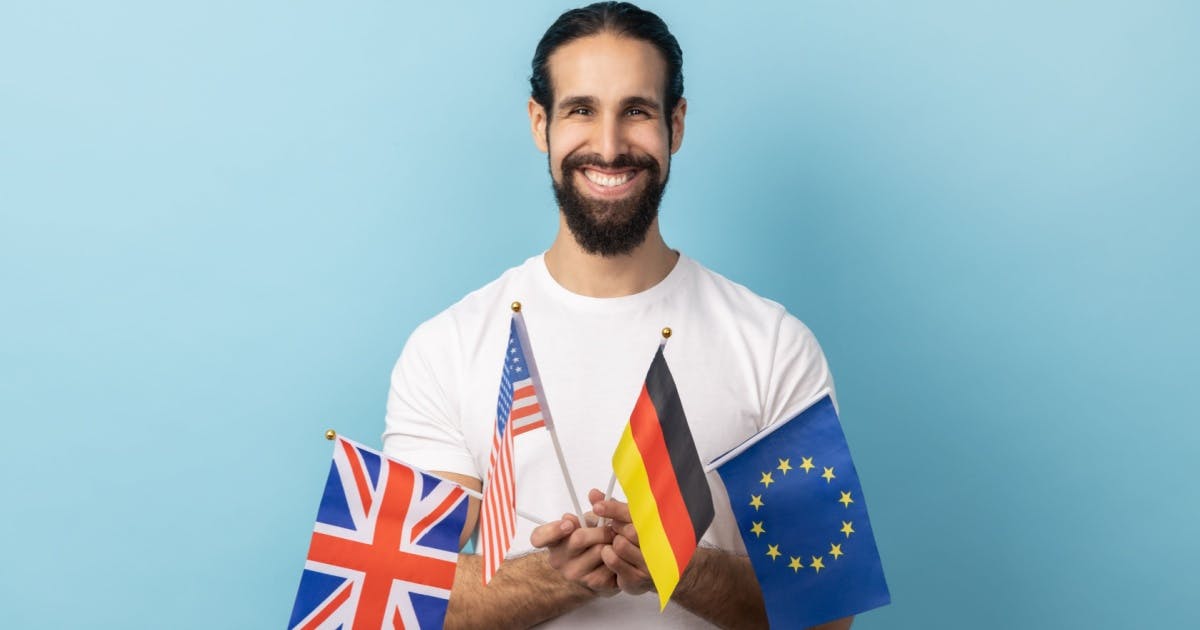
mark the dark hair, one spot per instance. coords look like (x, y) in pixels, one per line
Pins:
(618, 18)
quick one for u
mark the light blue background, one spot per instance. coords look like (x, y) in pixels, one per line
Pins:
(221, 220)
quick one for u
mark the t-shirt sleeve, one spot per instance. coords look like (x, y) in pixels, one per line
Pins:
(799, 372)
(422, 426)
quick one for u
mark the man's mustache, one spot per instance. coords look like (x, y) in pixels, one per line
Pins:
(624, 160)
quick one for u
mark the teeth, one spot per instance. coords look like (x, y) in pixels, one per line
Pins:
(601, 179)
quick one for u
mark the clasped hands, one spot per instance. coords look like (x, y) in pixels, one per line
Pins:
(605, 559)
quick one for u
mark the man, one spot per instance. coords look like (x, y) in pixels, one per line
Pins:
(607, 108)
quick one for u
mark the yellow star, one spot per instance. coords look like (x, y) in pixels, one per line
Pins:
(817, 563)
(773, 551)
(795, 565)
(806, 464)
(757, 530)
(784, 465)
(828, 475)
(756, 501)
(766, 480)
(846, 500)
(847, 528)
(835, 551)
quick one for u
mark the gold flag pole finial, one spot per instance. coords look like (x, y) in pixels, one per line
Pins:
(330, 434)
(516, 307)
(666, 333)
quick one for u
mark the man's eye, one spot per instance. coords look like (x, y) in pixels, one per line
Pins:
(581, 111)
(636, 112)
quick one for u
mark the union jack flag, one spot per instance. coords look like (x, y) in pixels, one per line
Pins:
(519, 409)
(384, 546)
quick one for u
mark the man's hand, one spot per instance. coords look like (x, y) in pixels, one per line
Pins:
(623, 556)
(574, 551)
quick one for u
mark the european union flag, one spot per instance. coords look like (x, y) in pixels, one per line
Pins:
(800, 509)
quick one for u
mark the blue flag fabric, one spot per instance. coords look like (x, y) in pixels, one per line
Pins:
(801, 512)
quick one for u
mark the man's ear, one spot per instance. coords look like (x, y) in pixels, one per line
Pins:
(537, 125)
(677, 117)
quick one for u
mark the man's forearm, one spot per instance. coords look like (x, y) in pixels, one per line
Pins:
(721, 588)
(524, 592)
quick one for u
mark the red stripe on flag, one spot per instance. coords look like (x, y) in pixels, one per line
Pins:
(360, 479)
(522, 412)
(499, 506)
(677, 523)
(330, 608)
(526, 428)
(436, 514)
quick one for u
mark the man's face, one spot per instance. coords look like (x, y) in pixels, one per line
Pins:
(607, 139)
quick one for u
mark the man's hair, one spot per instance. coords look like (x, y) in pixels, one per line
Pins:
(618, 18)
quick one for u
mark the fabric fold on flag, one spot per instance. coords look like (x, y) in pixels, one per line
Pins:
(520, 408)
(384, 547)
(801, 512)
(659, 469)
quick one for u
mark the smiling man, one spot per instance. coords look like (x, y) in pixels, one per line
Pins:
(607, 107)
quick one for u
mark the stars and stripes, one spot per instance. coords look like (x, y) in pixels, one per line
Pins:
(384, 546)
(519, 409)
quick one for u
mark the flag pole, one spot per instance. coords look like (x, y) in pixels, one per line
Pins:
(547, 418)
(612, 482)
(332, 435)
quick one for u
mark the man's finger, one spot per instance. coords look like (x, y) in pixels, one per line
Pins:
(612, 509)
(602, 582)
(554, 531)
(630, 578)
(587, 537)
(629, 552)
(578, 567)
(627, 530)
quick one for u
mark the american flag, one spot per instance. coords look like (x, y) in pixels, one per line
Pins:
(384, 546)
(519, 409)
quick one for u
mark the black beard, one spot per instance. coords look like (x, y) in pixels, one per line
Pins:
(609, 228)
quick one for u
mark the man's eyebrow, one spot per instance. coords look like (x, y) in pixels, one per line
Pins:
(571, 102)
(640, 102)
(590, 102)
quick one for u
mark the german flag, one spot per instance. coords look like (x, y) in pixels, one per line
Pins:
(659, 469)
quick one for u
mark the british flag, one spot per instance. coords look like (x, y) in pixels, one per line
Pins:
(384, 546)
(520, 408)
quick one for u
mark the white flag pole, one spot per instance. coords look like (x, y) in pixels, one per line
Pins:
(523, 334)
(332, 435)
(471, 493)
(612, 484)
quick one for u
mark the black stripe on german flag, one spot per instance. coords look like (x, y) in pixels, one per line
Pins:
(685, 460)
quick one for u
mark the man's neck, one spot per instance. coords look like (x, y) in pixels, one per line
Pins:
(594, 275)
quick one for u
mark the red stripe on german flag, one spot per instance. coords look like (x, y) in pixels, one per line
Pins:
(659, 469)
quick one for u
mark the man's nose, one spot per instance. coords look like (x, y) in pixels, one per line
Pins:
(611, 141)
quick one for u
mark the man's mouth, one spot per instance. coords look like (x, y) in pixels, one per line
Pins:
(608, 180)
(609, 183)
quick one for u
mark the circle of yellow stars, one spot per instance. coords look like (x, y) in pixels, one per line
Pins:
(795, 563)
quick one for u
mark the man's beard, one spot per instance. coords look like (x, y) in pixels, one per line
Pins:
(610, 228)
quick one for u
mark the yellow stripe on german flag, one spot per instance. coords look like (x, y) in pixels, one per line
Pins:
(659, 469)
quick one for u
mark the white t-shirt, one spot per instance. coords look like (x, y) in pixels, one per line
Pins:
(740, 363)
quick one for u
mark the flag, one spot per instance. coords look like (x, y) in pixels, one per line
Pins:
(659, 469)
(802, 514)
(519, 409)
(384, 546)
